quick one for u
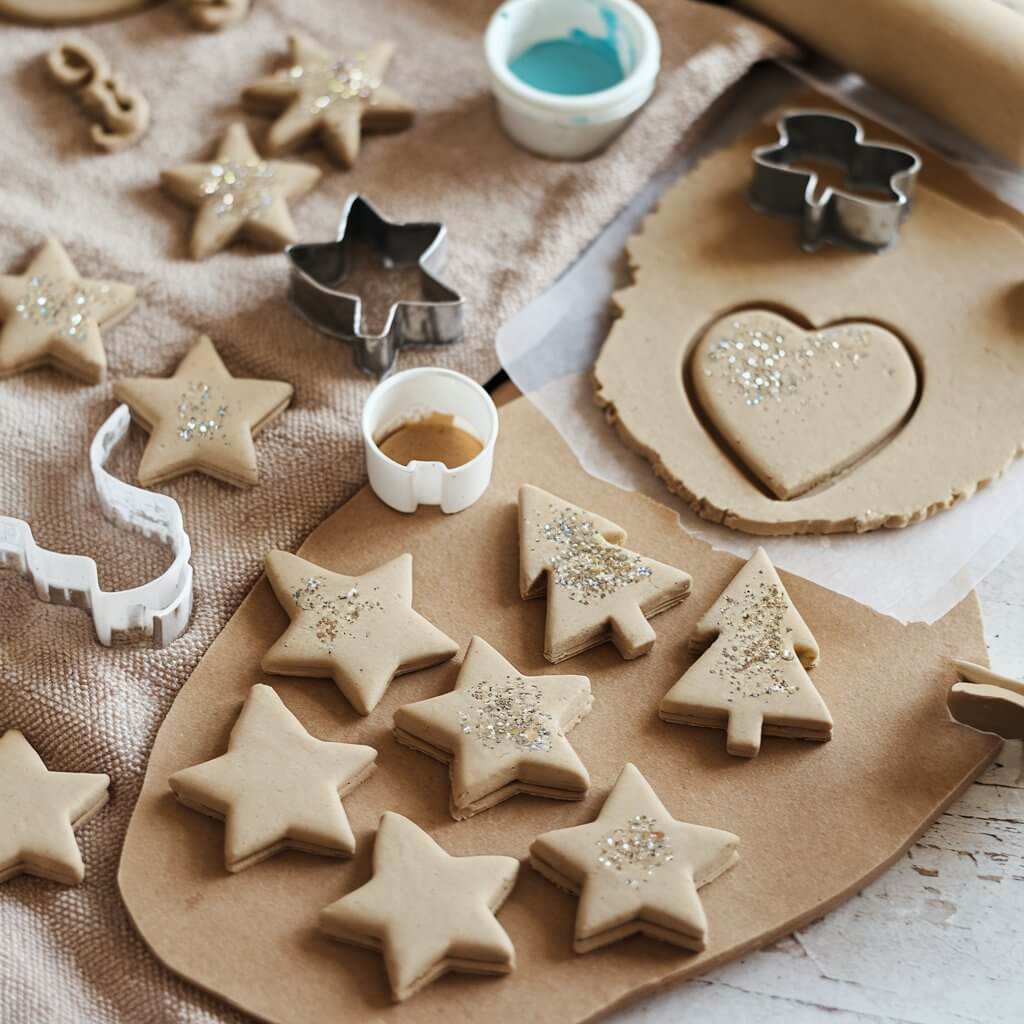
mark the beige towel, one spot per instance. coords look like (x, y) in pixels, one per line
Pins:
(515, 221)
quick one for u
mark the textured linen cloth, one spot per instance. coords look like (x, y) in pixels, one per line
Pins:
(515, 222)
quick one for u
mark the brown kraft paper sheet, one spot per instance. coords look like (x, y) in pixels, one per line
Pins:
(816, 821)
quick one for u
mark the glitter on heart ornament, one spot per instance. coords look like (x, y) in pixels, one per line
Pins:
(798, 407)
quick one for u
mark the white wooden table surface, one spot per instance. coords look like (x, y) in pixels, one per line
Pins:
(938, 939)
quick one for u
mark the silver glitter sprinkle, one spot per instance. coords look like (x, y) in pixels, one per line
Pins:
(62, 306)
(507, 714)
(241, 189)
(753, 646)
(587, 566)
(636, 850)
(197, 417)
(341, 81)
(339, 616)
(764, 365)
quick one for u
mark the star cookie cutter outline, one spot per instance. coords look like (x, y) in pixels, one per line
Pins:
(852, 220)
(160, 608)
(316, 293)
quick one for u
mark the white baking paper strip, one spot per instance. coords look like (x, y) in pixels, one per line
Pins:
(159, 609)
(548, 349)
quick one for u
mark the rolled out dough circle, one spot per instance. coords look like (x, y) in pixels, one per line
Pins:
(952, 287)
(59, 12)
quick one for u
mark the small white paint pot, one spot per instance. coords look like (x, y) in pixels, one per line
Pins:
(413, 395)
(570, 127)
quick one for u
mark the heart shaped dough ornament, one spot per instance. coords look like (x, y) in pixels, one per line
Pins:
(797, 407)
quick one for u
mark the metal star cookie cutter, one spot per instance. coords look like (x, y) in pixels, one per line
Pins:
(159, 609)
(849, 219)
(317, 273)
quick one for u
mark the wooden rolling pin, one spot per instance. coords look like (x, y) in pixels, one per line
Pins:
(961, 61)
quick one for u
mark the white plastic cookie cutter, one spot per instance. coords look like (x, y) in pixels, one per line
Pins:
(161, 608)
(414, 394)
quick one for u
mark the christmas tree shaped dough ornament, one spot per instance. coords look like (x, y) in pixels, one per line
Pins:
(635, 868)
(752, 679)
(502, 733)
(39, 812)
(52, 316)
(596, 589)
(277, 788)
(238, 194)
(360, 631)
(426, 911)
(202, 418)
(334, 98)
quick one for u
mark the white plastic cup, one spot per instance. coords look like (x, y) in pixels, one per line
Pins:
(414, 394)
(570, 127)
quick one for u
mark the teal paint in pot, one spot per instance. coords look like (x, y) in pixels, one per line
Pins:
(573, 66)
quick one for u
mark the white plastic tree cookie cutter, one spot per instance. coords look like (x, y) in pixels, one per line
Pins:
(408, 396)
(161, 608)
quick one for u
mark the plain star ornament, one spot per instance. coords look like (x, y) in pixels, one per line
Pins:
(334, 98)
(39, 812)
(636, 869)
(277, 787)
(502, 733)
(202, 418)
(238, 194)
(426, 911)
(360, 631)
(52, 316)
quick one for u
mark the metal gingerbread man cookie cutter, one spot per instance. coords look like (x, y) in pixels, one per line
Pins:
(159, 609)
(317, 274)
(852, 219)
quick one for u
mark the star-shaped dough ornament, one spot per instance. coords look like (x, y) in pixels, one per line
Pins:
(277, 787)
(52, 316)
(426, 911)
(502, 733)
(202, 418)
(39, 812)
(333, 98)
(239, 194)
(360, 631)
(636, 869)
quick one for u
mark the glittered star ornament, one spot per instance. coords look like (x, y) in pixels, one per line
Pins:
(636, 869)
(502, 733)
(752, 679)
(360, 631)
(426, 911)
(52, 316)
(238, 194)
(39, 812)
(202, 418)
(333, 98)
(277, 788)
(596, 589)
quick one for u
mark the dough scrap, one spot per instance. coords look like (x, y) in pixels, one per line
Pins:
(426, 911)
(202, 418)
(277, 787)
(502, 733)
(635, 868)
(360, 631)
